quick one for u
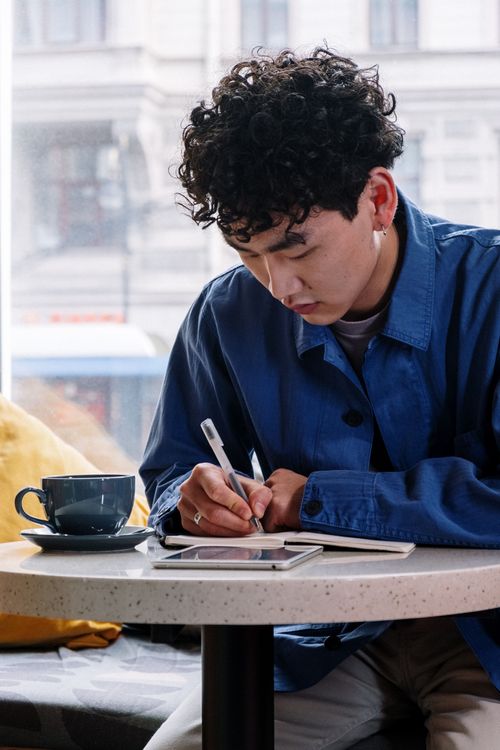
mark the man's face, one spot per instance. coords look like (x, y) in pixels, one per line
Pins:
(325, 267)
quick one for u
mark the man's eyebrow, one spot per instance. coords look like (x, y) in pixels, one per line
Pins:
(290, 239)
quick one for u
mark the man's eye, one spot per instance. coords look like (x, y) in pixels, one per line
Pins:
(305, 254)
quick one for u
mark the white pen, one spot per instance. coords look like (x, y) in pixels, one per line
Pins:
(216, 444)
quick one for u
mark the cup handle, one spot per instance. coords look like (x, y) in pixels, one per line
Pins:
(43, 499)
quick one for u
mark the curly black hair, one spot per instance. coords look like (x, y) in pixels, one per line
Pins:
(285, 134)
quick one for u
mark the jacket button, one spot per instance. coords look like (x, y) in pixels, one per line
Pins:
(333, 643)
(313, 507)
(353, 418)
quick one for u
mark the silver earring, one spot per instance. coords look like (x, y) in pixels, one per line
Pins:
(383, 230)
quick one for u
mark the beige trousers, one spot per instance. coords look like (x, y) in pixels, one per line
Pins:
(422, 664)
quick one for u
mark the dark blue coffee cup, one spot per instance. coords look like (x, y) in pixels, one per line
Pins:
(83, 503)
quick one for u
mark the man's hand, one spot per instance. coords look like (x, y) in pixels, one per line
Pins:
(283, 512)
(223, 512)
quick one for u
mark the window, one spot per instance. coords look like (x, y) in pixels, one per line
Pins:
(264, 23)
(99, 247)
(407, 171)
(83, 202)
(49, 22)
(460, 129)
(394, 23)
(464, 212)
(460, 168)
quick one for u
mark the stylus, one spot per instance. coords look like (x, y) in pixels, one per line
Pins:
(216, 444)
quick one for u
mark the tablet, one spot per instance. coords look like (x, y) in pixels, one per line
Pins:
(213, 556)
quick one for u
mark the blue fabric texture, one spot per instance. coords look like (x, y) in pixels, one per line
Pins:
(278, 386)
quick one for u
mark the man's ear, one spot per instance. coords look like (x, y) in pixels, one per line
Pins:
(384, 197)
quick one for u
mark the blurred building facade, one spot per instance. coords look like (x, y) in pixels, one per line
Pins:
(102, 88)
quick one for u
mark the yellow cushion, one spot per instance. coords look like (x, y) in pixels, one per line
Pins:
(28, 451)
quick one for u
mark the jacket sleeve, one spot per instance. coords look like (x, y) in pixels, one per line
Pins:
(197, 385)
(441, 501)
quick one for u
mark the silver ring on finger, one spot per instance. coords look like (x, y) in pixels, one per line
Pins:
(197, 517)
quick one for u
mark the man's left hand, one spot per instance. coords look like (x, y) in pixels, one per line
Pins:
(283, 512)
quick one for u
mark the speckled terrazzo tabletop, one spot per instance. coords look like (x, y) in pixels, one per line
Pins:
(337, 586)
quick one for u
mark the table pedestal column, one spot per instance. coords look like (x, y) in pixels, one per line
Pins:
(238, 697)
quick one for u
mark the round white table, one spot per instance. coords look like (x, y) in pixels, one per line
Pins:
(238, 608)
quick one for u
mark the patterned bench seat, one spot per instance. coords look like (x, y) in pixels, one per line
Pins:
(94, 699)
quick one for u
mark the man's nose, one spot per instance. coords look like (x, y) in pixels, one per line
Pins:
(282, 281)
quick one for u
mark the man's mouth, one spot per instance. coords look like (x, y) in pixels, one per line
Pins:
(305, 309)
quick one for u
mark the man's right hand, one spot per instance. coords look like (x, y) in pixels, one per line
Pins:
(221, 511)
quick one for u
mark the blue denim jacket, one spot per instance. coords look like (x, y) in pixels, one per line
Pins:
(280, 387)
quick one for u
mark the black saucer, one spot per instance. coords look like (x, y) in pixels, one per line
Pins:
(126, 539)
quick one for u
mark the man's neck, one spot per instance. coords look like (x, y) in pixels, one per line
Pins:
(383, 279)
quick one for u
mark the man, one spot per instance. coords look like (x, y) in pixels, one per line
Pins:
(355, 354)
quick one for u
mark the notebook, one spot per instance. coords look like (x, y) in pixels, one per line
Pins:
(281, 538)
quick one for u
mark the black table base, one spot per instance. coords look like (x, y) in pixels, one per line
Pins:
(238, 695)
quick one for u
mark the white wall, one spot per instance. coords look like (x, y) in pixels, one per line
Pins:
(448, 24)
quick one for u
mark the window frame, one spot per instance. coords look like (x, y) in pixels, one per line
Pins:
(6, 39)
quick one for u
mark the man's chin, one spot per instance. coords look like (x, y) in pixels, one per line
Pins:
(319, 318)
